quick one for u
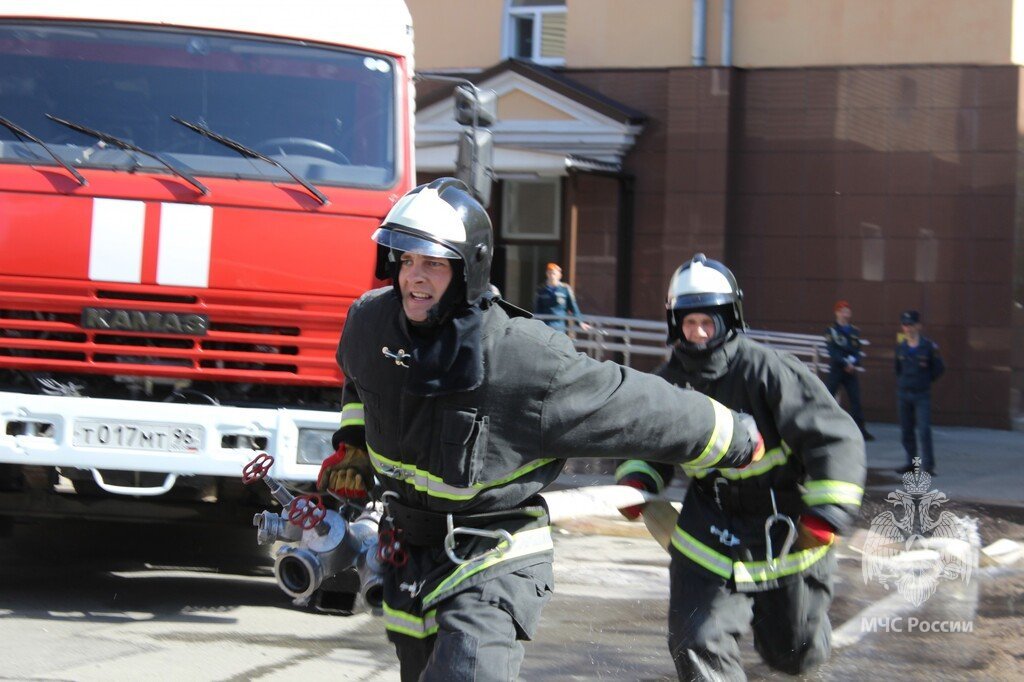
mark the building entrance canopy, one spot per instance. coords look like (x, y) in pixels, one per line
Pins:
(545, 121)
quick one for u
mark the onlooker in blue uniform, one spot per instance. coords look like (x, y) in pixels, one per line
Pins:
(918, 364)
(556, 298)
(843, 342)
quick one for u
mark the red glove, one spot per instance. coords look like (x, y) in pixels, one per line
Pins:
(633, 513)
(815, 532)
(346, 472)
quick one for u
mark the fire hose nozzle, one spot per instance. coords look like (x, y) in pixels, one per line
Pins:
(371, 583)
(299, 572)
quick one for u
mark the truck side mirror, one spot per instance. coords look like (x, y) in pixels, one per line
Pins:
(474, 164)
(475, 107)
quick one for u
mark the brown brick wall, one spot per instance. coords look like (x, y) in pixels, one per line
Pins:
(892, 187)
(680, 163)
(595, 199)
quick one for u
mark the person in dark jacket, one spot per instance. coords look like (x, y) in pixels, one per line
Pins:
(843, 342)
(555, 297)
(918, 365)
(462, 411)
(752, 545)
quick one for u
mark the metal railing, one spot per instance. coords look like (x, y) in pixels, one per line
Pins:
(630, 338)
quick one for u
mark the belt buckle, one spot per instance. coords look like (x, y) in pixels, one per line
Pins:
(497, 550)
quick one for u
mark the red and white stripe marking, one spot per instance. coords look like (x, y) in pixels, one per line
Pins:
(177, 240)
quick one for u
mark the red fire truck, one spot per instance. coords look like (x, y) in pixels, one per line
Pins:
(187, 192)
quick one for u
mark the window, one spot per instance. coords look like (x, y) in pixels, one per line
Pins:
(531, 209)
(331, 112)
(530, 237)
(535, 30)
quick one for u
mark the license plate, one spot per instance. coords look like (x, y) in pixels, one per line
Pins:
(154, 436)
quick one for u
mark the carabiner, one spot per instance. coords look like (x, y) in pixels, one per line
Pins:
(501, 535)
(776, 517)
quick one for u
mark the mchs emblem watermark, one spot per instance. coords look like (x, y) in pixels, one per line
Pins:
(916, 546)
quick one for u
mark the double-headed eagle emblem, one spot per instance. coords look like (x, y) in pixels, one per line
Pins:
(916, 549)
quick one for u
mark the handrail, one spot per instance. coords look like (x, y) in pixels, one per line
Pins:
(633, 337)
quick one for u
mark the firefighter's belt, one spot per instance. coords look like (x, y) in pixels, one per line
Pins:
(426, 528)
(746, 500)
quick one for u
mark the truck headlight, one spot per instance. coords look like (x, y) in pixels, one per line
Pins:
(314, 445)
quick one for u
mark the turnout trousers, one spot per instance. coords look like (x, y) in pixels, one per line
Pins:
(479, 632)
(707, 617)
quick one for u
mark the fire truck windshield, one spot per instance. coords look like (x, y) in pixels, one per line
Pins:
(327, 114)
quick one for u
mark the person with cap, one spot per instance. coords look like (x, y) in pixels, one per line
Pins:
(752, 545)
(843, 342)
(457, 412)
(918, 365)
(555, 297)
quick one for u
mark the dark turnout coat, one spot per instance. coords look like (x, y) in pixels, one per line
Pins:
(494, 448)
(814, 462)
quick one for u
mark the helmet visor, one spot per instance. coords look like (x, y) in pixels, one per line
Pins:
(403, 241)
(702, 300)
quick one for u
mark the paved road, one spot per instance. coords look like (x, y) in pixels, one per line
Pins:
(112, 602)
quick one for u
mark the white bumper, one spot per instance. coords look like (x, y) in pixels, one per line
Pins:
(58, 446)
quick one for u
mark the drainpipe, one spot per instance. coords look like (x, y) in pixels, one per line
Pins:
(727, 33)
(700, 31)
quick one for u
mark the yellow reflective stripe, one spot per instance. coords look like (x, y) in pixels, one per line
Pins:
(749, 571)
(409, 624)
(772, 458)
(721, 438)
(699, 553)
(352, 414)
(639, 466)
(524, 543)
(435, 486)
(761, 571)
(832, 492)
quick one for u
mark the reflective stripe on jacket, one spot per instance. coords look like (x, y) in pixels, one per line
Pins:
(814, 459)
(495, 447)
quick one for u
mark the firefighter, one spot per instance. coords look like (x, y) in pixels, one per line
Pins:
(752, 544)
(462, 411)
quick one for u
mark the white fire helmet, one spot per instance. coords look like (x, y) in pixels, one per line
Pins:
(699, 285)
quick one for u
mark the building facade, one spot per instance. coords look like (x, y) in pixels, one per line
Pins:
(825, 149)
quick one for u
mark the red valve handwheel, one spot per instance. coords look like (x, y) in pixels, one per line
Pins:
(257, 469)
(306, 511)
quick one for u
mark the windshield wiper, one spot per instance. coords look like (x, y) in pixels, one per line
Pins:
(123, 144)
(251, 153)
(21, 132)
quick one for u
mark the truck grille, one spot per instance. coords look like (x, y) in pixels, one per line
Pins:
(280, 338)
